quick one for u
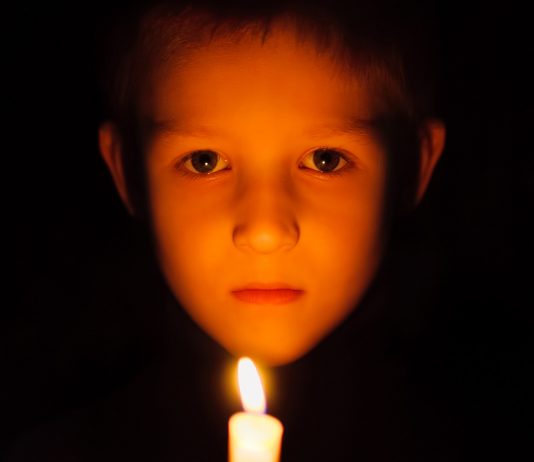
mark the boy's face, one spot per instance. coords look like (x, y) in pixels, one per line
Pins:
(267, 192)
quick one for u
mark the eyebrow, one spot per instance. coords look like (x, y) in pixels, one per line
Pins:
(173, 127)
(352, 126)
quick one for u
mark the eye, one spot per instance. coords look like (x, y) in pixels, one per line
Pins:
(204, 161)
(324, 160)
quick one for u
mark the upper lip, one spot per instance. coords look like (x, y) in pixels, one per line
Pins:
(265, 286)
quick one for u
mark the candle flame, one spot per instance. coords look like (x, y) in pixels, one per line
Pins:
(250, 387)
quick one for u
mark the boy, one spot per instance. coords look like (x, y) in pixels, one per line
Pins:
(268, 146)
(268, 149)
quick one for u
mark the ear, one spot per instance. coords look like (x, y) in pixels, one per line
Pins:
(111, 150)
(432, 142)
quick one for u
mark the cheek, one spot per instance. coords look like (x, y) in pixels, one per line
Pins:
(347, 240)
(348, 219)
(189, 228)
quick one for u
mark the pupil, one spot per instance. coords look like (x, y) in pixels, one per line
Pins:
(204, 161)
(326, 160)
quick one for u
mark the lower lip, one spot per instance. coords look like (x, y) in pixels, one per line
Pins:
(271, 296)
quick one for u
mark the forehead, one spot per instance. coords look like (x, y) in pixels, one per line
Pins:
(282, 80)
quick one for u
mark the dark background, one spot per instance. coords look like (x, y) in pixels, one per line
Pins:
(84, 320)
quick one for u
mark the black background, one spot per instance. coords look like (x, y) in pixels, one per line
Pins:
(82, 323)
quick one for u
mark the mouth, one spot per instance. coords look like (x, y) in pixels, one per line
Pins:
(274, 294)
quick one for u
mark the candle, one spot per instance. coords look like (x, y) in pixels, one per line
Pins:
(253, 436)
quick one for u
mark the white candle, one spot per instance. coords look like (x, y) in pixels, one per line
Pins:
(253, 436)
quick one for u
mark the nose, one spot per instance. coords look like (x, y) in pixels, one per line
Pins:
(265, 220)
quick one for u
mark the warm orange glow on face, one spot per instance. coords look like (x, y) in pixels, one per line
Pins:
(266, 210)
(250, 388)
